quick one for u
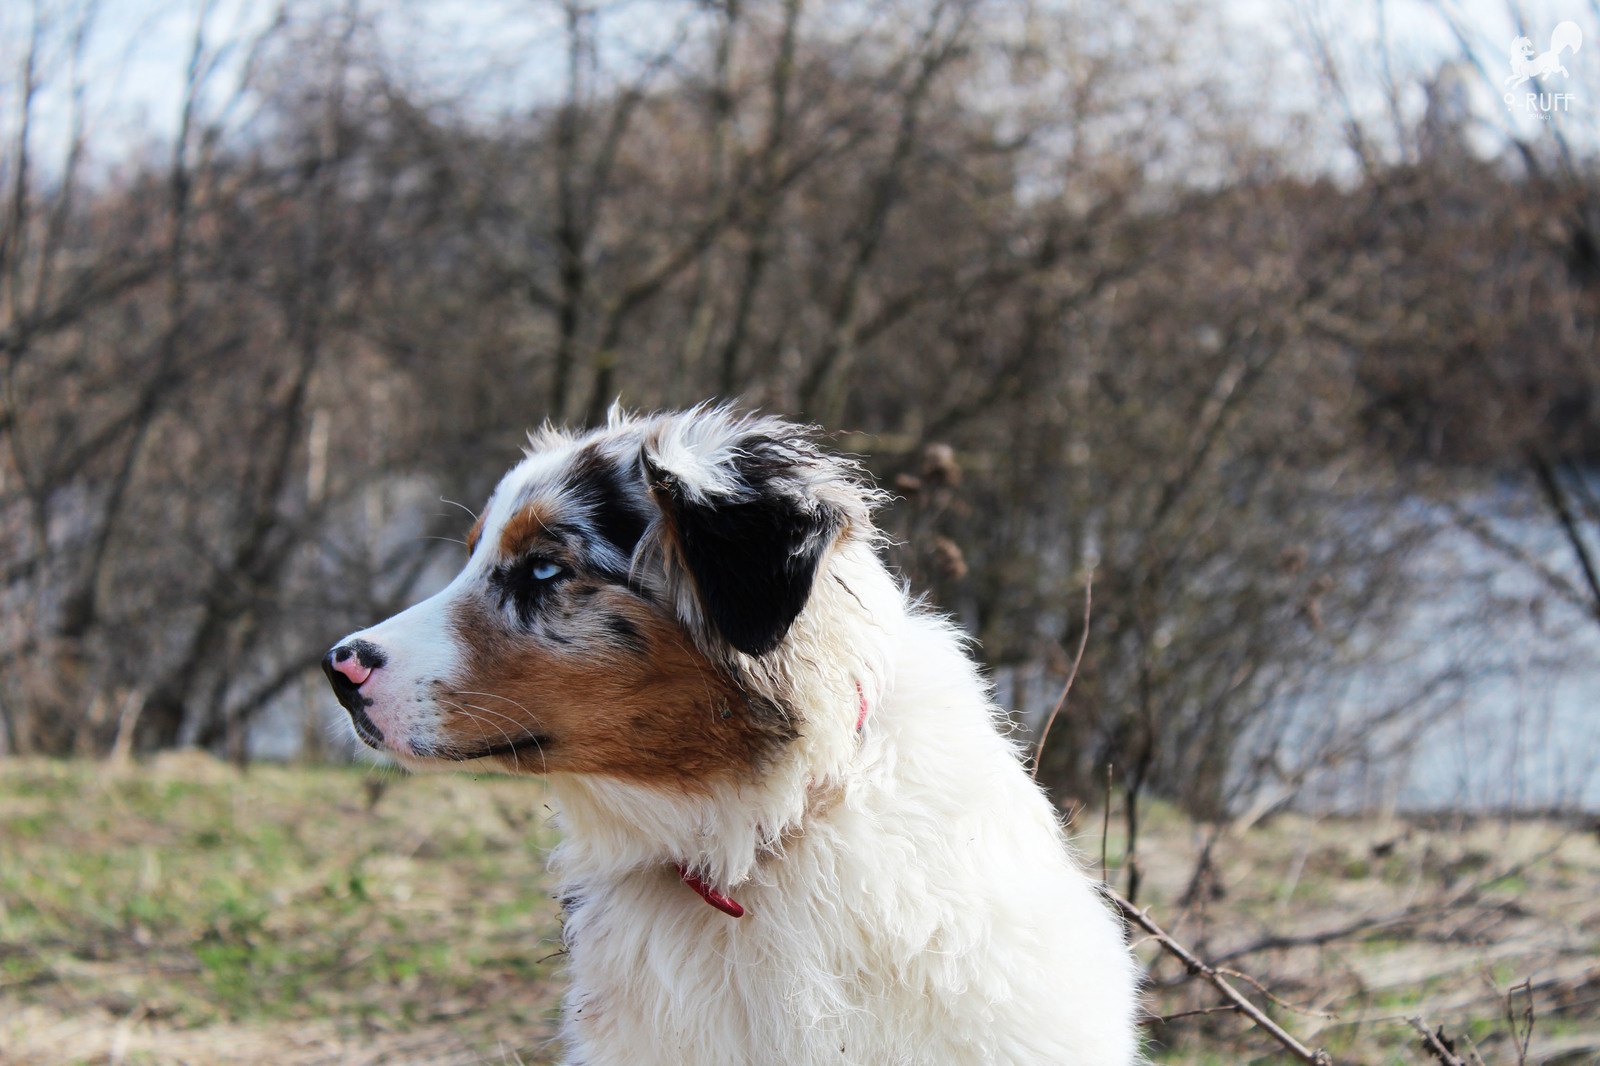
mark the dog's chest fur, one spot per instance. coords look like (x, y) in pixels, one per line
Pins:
(678, 619)
(928, 913)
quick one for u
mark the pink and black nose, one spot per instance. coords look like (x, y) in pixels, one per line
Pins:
(348, 666)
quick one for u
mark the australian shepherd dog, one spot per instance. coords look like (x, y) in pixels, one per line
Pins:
(793, 831)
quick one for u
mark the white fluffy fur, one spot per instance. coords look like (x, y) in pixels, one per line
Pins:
(911, 897)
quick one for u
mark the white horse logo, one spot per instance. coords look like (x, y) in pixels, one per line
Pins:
(1525, 65)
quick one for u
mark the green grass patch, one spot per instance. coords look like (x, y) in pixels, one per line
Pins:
(221, 897)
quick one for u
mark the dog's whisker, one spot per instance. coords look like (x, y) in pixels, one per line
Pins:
(543, 764)
(531, 738)
(511, 743)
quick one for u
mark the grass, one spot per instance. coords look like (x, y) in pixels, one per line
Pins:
(187, 912)
(1468, 937)
(184, 912)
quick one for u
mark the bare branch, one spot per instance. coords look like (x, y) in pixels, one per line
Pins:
(1556, 497)
(1198, 967)
(1077, 660)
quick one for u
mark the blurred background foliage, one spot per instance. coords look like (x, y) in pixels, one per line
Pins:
(1307, 394)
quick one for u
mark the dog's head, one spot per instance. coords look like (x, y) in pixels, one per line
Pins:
(625, 609)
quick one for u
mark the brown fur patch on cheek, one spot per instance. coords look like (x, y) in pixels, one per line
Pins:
(623, 693)
(476, 533)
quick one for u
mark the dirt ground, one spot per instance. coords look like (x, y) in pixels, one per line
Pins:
(185, 912)
(1345, 930)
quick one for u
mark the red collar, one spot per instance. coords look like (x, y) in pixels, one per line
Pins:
(722, 902)
(709, 894)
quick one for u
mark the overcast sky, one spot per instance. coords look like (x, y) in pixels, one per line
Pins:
(136, 53)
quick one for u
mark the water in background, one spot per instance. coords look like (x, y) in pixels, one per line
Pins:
(1497, 674)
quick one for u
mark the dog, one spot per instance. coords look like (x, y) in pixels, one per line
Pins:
(794, 831)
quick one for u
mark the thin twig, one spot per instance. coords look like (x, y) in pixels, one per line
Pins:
(1200, 968)
(1105, 830)
(1545, 474)
(1519, 1042)
(1202, 866)
(1083, 642)
(1274, 997)
(1438, 1045)
(1162, 1019)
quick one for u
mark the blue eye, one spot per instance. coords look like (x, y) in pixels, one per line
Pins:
(525, 583)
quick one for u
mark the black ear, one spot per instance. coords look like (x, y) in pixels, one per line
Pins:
(753, 551)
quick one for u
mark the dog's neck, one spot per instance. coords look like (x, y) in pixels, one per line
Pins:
(725, 831)
(719, 836)
(819, 801)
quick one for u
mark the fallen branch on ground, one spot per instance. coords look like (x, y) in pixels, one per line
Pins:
(1200, 968)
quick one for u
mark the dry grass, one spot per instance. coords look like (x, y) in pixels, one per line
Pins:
(182, 912)
(185, 913)
(1454, 923)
